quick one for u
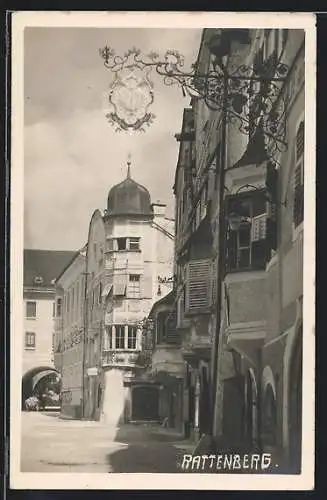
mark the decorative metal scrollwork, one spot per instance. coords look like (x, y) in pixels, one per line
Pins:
(249, 95)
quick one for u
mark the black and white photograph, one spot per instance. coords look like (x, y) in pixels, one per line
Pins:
(162, 280)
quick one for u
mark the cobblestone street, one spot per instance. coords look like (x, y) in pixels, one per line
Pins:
(50, 444)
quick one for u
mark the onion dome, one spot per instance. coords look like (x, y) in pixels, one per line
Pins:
(129, 198)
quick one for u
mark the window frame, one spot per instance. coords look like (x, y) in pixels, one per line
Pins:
(131, 334)
(233, 243)
(120, 337)
(117, 244)
(59, 307)
(134, 286)
(130, 243)
(26, 309)
(30, 345)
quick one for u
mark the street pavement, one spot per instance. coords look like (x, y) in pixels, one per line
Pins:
(51, 444)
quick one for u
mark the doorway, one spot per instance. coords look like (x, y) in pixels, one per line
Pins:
(145, 403)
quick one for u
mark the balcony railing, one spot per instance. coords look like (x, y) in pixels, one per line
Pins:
(119, 358)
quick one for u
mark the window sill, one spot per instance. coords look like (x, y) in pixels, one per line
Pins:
(27, 348)
(31, 318)
(124, 251)
(121, 349)
(245, 270)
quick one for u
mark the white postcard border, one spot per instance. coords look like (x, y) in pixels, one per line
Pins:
(19, 480)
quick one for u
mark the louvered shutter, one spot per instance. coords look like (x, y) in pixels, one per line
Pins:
(172, 334)
(259, 228)
(198, 286)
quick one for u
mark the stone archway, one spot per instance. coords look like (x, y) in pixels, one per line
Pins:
(295, 405)
(32, 378)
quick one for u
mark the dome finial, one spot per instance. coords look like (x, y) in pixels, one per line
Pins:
(129, 156)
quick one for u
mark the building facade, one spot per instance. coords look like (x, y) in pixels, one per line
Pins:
(128, 267)
(41, 268)
(69, 334)
(239, 252)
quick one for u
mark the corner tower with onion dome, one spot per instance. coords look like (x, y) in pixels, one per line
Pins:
(129, 267)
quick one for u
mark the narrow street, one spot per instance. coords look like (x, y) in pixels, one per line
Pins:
(50, 444)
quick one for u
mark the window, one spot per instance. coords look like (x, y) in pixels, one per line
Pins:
(120, 336)
(108, 338)
(100, 293)
(30, 340)
(59, 308)
(95, 250)
(110, 245)
(121, 243)
(131, 340)
(298, 204)
(247, 246)
(134, 244)
(53, 309)
(30, 309)
(134, 285)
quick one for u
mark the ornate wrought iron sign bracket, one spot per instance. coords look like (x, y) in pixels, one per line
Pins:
(250, 96)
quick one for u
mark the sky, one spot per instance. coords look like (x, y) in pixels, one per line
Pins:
(72, 155)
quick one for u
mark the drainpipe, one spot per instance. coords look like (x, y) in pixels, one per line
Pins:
(221, 244)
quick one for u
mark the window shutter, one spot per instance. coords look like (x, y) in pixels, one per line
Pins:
(198, 286)
(259, 228)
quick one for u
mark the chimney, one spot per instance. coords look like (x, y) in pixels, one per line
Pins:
(159, 209)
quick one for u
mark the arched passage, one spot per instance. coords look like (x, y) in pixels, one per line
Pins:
(295, 405)
(33, 380)
(145, 402)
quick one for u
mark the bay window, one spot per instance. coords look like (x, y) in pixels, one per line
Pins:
(247, 245)
(122, 337)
